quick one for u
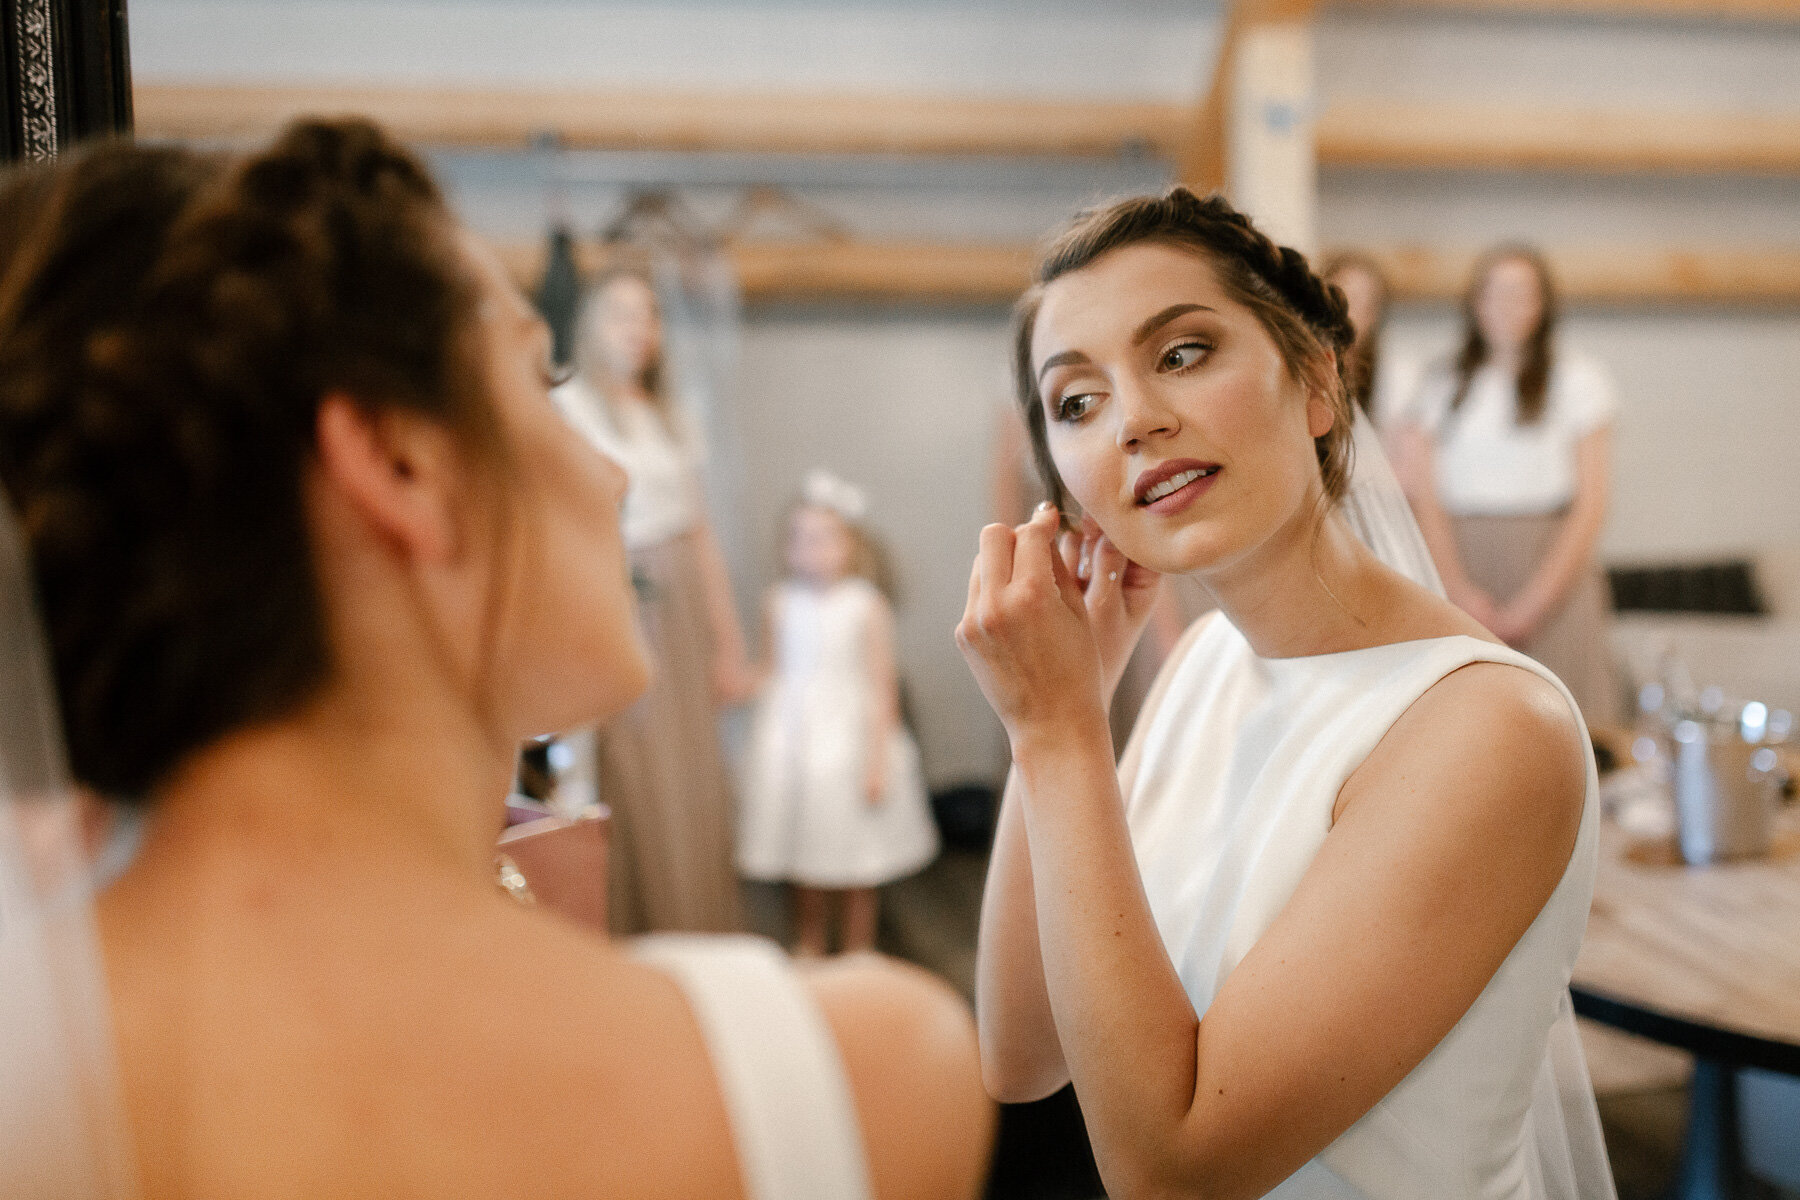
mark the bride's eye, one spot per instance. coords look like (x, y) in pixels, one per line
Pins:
(1182, 356)
(1072, 408)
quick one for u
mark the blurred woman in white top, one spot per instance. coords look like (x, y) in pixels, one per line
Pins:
(659, 765)
(1378, 380)
(1505, 451)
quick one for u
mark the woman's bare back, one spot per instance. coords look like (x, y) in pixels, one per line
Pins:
(407, 1036)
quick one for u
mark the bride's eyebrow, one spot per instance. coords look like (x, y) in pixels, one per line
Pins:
(1061, 360)
(1158, 320)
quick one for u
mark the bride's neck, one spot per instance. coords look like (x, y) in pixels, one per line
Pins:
(350, 784)
(1312, 588)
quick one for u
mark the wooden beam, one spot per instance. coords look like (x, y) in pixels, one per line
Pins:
(798, 123)
(1679, 10)
(996, 274)
(1201, 160)
(1634, 275)
(885, 271)
(930, 273)
(1414, 135)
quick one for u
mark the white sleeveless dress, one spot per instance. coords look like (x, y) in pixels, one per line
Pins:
(1238, 770)
(804, 815)
(793, 1120)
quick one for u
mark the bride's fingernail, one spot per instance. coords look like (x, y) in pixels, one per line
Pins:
(1044, 506)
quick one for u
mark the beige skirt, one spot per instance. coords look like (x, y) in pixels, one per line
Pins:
(661, 770)
(1500, 554)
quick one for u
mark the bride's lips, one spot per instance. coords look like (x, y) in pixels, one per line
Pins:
(1156, 479)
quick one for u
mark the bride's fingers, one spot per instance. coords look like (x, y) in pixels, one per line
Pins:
(1107, 585)
(1068, 548)
(996, 560)
(1085, 570)
(1034, 551)
(1090, 539)
(1066, 583)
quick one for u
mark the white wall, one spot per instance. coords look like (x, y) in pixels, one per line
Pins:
(903, 404)
(1049, 48)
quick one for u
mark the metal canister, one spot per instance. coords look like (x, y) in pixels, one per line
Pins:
(1725, 794)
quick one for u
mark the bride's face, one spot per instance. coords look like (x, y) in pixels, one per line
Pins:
(567, 649)
(1170, 412)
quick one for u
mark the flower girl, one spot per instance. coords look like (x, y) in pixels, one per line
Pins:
(833, 799)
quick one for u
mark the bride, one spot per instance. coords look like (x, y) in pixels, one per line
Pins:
(1313, 936)
(315, 551)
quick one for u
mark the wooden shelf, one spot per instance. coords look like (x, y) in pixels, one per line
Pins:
(1616, 275)
(996, 274)
(1680, 10)
(928, 273)
(824, 123)
(1378, 133)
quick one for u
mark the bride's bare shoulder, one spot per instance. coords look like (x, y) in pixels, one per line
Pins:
(457, 1049)
(908, 1045)
(1489, 743)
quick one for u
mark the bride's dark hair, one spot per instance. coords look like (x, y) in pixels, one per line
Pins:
(1306, 316)
(169, 322)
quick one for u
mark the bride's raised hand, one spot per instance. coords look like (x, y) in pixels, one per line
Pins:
(1119, 595)
(1027, 634)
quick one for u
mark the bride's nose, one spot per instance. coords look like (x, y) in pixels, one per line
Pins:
(1142, 414)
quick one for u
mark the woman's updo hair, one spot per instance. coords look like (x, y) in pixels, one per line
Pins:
(1306, 316)
(169, 322)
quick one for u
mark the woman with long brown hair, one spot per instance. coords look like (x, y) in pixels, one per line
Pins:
(659, 765)
(315, 551)
(1506, 452)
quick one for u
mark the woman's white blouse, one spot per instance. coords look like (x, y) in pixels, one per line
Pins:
(1487, 464)
(1237, 771)
(664, 464)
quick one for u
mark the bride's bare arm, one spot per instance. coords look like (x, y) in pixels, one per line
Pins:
(1021, 1057)
(1448, 841)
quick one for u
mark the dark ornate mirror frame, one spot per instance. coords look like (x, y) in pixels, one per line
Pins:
(66, 74)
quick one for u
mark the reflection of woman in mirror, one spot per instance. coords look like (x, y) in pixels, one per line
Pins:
(1313, 936)
(659, 764)
(1507, 461)
(316, 552)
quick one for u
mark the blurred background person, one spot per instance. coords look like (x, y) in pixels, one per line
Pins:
(833, 800)
(1379, 380)
(659, 765)
(1506, 453)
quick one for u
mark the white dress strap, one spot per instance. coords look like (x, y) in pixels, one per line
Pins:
(792, 1117)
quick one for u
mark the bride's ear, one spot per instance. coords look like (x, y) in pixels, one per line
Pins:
(395, 470)
(1321, 414)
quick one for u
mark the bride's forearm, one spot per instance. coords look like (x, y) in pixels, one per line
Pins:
(1021, 1059)
(1126, 1026)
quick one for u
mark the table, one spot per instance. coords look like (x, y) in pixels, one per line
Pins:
(1706, 959)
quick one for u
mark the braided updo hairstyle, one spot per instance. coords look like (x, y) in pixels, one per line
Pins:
(1306, 316)
(169, 322)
